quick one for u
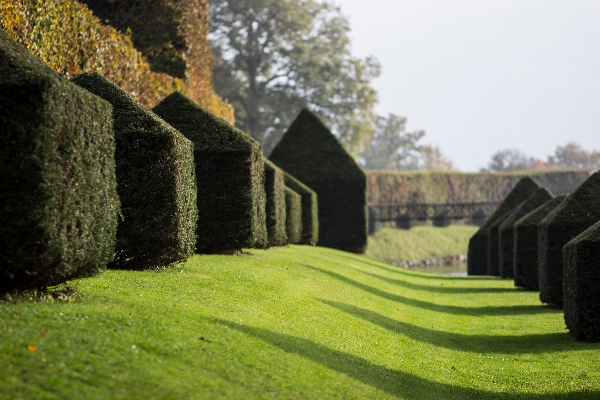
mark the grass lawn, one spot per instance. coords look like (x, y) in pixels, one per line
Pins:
(419, 242)
(297, 322)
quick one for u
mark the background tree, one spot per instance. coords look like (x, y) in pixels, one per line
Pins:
(432, 159)
(273, 57)
(572, 155)
(508, 160)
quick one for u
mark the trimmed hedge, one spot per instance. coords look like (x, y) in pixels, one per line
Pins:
(230, 174)
(58, 197)
(526, 245)
(506, 242)
(275, 205)
(310, 209)
(493, 262)
(155, 182)
(293, 216)
(582, 285)
(477, 260)
(579, 211)
(310, 152)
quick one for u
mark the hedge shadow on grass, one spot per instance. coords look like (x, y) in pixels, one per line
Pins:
(394, 382)
(511, 344)
(474, 311)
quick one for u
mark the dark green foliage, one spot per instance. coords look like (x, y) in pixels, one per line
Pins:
(230, 175)
(507, 232)
(579, 211)
(526, 245)
(310, 209)
(477, 261)
(275, 205)
(493, 266)
(310, 152)
(155, 182)
(58, 198)
(293, 216)
(582, 285)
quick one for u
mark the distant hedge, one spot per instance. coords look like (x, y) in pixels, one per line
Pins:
(579, 211)
(155, 182)
(293, 216)
(230, 174)
(389, 187)
(526, 245)
(493, 246)
(311, 153)
(275, 204)
(58, 198)
(582, 285)
(506, 242)
(477, 259)
(310, 209)
(69, 38)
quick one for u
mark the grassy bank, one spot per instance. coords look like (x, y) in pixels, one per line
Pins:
(296, 322)
(419, 242)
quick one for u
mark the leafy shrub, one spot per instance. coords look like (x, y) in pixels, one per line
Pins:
(293, 216)
(526, 245)
(155, 182)
(58, 198)
(310, 152)
(69, 38)
(506, 243)
(582, 285)
(229, 170)
(576, 213)
(310, 209)
(477, 259)
(275, 205)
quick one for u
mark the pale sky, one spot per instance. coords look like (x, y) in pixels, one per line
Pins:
(482, 76)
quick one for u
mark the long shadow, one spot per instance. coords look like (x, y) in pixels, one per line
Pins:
(474, 311)
(436, 289)
(403, 271)
(394, 382)
(538, 343)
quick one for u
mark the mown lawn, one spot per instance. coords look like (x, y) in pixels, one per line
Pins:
(297, 322)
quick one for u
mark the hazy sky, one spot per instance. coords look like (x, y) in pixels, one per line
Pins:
(481, 76)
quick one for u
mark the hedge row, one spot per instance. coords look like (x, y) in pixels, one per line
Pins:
(293, 216)
(477, 260)
(58, 195)
(526, 245)
(310, 209)
(311, 153)
(506, 243)
(576, 213)
(275, 208)
(69, 38)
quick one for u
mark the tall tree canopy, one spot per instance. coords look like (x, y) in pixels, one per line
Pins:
(273, 57)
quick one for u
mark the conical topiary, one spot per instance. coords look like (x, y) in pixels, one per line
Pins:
(229, 171)
(312, 154)
(582, 285)
(478, 244)
(155, 182)
(576, 213)
(506, 243)
(526, 245)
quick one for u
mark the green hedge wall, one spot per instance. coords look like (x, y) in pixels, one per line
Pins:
(293, 216)
(155, 182)
(506, 242)
(393, 187)
(582, 285)
(58, 198)
(526, 245)
(275, 205)
(230, 174)
(477, 257)
(575, 214)
(310, 209)
(311, 153)
(493, 261)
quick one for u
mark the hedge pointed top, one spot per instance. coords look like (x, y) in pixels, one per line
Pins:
(578, 205)
(305, 135)
(201, 126)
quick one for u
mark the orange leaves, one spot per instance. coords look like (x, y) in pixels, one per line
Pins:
(32, 348)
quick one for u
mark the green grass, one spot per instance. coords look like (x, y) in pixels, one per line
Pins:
(297, 322)
(419, 242)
